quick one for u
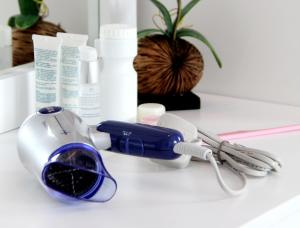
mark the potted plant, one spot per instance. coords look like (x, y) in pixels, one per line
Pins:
(29, 21)
(167, 64)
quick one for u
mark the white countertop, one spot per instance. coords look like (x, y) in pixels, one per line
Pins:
(153, 196)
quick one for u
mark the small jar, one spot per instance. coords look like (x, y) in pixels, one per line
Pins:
(150, 113)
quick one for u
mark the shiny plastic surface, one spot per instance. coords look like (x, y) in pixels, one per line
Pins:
(142, 140)
(76, 170)
(54, 145)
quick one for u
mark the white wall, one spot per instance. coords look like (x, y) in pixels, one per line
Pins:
(7, 9)
(258, 41)
(71, 14)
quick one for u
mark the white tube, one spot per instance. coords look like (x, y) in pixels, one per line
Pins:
(70, 69)
(46, 56)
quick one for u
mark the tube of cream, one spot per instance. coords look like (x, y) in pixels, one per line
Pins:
(70, 69)
(46, 59)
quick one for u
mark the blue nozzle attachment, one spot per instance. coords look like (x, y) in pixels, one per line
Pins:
(76, 171)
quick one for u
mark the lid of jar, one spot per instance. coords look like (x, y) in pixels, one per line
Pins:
(150, 111)
(5, 36)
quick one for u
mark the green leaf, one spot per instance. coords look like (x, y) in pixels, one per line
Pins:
(29, 7)
(178, 18)
(12, 21)
(185, 32)
(166, 15)
(26, 21)
(188, 8)
(147, 32)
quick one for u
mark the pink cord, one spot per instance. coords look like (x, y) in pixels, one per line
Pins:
(257, 133)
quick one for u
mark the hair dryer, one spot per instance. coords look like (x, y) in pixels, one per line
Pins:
(61, 151)
(54, 145)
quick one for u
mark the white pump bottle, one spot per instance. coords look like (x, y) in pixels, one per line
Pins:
(118, 87)
(117, 49)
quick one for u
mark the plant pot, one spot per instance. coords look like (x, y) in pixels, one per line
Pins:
(22, 40)
(167, 67)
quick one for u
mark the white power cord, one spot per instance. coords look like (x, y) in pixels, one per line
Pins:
(252, 162)
(240, 159)
(203, 153)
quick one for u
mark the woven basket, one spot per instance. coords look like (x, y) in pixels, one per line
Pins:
(22, 40)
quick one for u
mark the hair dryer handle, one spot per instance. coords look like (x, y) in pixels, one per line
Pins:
(141, 140)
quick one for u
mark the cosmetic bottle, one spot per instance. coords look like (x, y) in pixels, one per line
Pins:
(5, 47)
(47, 51)
(69, 69)
(117, 50)
(89, 88)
